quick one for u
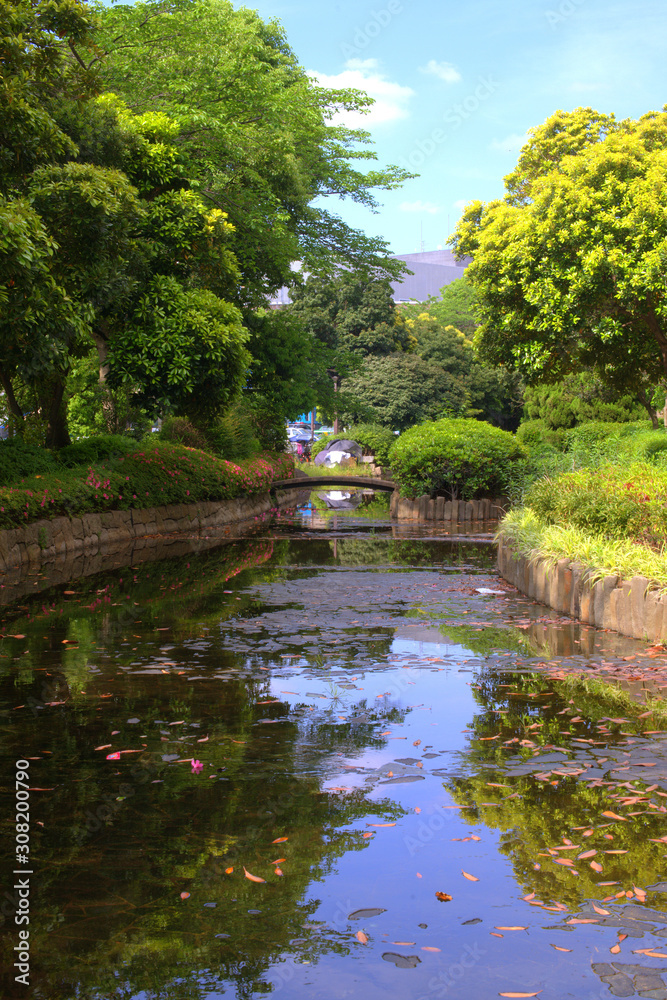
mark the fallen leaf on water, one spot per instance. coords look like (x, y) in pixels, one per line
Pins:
(613, 815)
(564, 861)
(472, 878)
(615, 852)
(370, 824)
(583, 920)
(615, 949)
(558, 948)
(419, 875)
(531, 895)
(427, 947)
(622, 937)
(105, 747)
(253, 878)
(278, 871)
(520, 994)
(596, 866)
(444, 897)
(475, 837)
(405, 944)
(278, 861)
(113, 756)
(279, 840)
(416, 743)
(361, 937)
(598, 909)
(586, 854)
(368, 834)
(228, 871)
(185, 895)
(493, 934)
(651, 954)
(511, 928)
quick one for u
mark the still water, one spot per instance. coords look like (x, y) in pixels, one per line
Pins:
(264, 769)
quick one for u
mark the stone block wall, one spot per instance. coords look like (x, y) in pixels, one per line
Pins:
(24, 550)
(631, 607)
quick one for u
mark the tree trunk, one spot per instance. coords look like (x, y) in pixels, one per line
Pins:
(54, 410)
(642, 397)
(108, 405)
(12, 402)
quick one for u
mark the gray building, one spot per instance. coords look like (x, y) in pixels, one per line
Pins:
(432, 270)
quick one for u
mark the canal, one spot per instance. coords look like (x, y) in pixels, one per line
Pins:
(332, 759)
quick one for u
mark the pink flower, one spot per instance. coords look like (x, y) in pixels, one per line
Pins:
(114, 756)
(196, 766)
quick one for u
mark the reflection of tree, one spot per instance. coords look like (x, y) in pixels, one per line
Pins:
(535, 815)
(122, 840)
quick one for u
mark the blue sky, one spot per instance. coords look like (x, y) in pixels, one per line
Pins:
(457, 86)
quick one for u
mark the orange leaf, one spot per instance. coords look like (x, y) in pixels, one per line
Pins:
(586, 854)
(368, 834)
(558, 948)
(511, 928)
(278, 871)
(598, 909)
(564, 861)
(185, 895)
(520, 994)
(612, 815)
(361, 937)
(615, 949)
(596, 866)
(253, 878)
(105, 747)
(277, 861)
(472, 878)
(375, 824)
(427, 947)
(493, 934)
(531, 895)
(228, 871)
(444, 897)
(279, 840)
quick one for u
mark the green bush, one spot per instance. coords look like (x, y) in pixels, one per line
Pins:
(95, 449)
(457, 458)
(374, 439)
(233, 436)
(180, 430)
(149, 476)
(537, 435)
(18, 460)
(614, 501)
(320, 445)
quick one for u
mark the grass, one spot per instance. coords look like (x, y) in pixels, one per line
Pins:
(623, 557)
(339, 470)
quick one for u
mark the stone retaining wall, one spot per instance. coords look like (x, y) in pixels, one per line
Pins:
(625, 606)
(426, 509)
(45, 541)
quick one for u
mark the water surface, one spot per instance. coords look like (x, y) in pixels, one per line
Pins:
(361, 718)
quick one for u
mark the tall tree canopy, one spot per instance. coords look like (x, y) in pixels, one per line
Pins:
(569, 266)
(257, 134)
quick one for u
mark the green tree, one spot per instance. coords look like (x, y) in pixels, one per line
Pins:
(254, 130)
(455, 306)
(568, 267)
(400, 390)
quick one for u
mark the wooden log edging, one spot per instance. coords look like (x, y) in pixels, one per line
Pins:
(630, 607)
(425, 508)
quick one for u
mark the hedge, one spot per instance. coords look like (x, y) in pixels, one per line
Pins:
(455, 457)
(374, 439)
(148, 476)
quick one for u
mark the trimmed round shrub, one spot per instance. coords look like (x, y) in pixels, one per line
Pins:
(456, 458)
(536, 435)
(374, 439)
(180, 430)
(18, 460)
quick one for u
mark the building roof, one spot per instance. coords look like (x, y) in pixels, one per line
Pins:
(432, 270)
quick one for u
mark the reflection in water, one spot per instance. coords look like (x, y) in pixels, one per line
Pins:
(266, 767)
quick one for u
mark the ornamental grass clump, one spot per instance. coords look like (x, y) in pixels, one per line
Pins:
(613, 501)
(455, 458)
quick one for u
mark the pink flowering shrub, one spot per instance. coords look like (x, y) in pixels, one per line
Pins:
(148, 476)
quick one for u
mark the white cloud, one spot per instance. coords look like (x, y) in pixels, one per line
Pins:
(443, 70)
(510, 144)
(419, 206)
(391, 99)
(460, 204)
